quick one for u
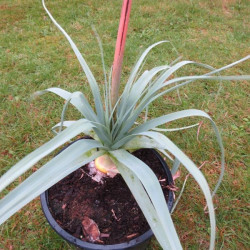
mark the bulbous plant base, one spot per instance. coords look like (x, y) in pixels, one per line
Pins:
(112, 208)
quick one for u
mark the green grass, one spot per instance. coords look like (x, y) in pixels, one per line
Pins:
(34, 56)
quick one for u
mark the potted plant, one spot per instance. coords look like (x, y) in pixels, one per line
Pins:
(112, 125)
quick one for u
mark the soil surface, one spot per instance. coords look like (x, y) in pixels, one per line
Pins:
(105, 213)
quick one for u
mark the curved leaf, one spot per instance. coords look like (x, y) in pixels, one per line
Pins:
(152, 186)
(141, 141)
(77, 99)
(73, 157)
(59, 125)
(92, 82)
(138, 64)
(179, 115)
(194, 171)
(144, 202)
(28, 161)
(152, 92)
(175, 129)
(135, 94)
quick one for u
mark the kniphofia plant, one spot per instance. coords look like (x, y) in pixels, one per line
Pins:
(113, 125)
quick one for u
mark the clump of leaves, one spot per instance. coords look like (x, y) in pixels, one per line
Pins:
(112, 123)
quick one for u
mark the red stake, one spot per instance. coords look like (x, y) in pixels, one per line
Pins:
(119, 50)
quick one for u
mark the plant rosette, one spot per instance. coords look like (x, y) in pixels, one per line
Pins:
(113, 125)
(69, 205)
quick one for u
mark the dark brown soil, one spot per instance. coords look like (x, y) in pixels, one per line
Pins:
(110, 205)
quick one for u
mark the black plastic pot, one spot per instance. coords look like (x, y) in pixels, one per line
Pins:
(139, 243)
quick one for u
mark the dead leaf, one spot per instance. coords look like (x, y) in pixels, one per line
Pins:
(172, 187)
(131, 236)
(177, 175)
(90, 229)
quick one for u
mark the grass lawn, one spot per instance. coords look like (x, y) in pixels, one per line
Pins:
(34, 56)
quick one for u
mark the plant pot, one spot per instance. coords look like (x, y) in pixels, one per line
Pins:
(140, 242)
